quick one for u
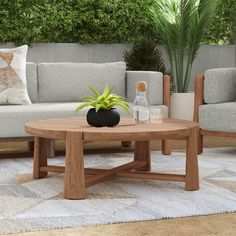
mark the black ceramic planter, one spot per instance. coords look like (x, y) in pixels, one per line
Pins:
(103, 117)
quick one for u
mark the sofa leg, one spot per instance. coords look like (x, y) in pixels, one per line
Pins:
(166, 146)
(50, 145)
(200, 143)
(30, 145)
(126, 143)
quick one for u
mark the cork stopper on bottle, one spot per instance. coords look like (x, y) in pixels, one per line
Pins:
(141, 86)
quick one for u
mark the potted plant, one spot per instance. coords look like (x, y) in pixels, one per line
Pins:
(182, 24)
(103, 113)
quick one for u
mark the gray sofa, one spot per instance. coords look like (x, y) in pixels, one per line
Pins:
(215, 103)
(55, 90)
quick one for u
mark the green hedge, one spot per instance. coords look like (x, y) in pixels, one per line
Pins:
(84, 21)
(90, 21)
(222, 29)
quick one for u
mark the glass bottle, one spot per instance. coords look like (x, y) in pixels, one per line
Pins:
(141, 107)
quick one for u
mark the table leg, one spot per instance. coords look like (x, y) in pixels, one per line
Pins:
(200, 142)
(30, 145)
(166, 147)
(74, 187)
(126, 143)
(50, 148)
(142, 153)
(40, 157)
(192, 175)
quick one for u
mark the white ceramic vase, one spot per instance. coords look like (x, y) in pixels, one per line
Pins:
(182, 106)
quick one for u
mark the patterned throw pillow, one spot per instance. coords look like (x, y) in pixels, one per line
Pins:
(13, 88)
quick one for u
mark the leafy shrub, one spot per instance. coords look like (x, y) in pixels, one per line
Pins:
(145, 56)
(114, 21)
(222, 30)
(28, 21)
(93, 21)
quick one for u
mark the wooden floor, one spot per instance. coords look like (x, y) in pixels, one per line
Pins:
(221, 224)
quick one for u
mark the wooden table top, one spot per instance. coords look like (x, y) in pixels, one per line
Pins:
(126, 130)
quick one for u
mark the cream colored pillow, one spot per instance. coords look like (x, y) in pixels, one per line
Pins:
(13, 87)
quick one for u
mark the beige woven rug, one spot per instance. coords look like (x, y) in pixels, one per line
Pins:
(30, 205)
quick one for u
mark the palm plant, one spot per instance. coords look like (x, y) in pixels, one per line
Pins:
(182, 24)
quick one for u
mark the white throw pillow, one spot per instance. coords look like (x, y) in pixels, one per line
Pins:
(13, 87)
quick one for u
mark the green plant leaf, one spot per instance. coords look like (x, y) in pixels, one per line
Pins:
(78, 109)
(88, 97)
(98, 107)
(96, 93)
(124, 106)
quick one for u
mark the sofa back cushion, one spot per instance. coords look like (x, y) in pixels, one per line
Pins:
(154, 82)
(67, 82)
(32, 83)
(220, 85)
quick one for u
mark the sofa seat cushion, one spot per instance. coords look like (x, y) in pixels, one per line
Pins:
(13, 118)
(218, 117)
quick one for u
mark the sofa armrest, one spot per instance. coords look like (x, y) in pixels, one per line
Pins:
(154, 81)
(166, 93)
(198, 100)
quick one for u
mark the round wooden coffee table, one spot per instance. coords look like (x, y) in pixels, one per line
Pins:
(75, 131)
